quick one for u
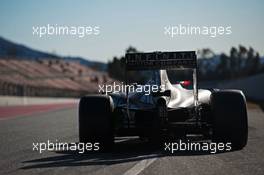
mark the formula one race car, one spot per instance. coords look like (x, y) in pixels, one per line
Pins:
(169, 110)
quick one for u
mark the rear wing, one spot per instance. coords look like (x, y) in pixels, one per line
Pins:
(165, 60)
(161, 60)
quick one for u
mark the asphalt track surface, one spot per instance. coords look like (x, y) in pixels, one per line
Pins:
(129, 157)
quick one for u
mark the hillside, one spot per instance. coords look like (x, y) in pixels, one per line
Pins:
(11, 49)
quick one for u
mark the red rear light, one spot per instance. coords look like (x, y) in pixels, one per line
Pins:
(185, 83)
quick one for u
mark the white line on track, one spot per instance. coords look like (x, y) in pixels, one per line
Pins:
(140, 166)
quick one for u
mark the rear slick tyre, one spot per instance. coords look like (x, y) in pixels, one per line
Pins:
(96, 121)
(230, 122)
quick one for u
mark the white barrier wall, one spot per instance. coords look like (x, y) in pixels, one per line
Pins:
(14, 100)
(253, 86)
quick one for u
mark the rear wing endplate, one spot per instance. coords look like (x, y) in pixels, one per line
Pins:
(161, 60)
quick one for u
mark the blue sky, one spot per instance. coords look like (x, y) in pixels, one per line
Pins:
(137, 23)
